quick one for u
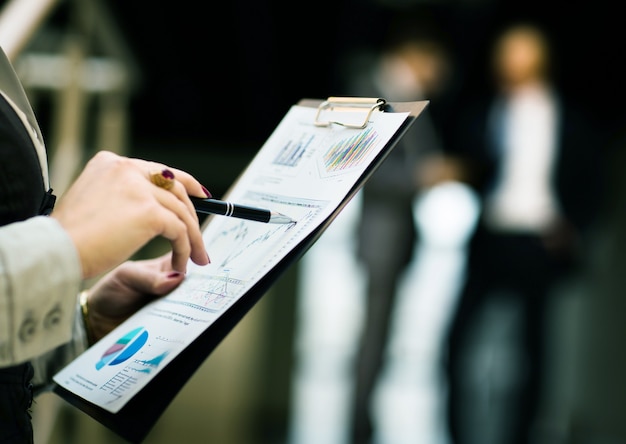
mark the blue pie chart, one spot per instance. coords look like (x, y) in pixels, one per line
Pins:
(124, 348)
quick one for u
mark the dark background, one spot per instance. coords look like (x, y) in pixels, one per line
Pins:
(225, 73)
(216, 78)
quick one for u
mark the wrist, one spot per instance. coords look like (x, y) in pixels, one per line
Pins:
(84, 309)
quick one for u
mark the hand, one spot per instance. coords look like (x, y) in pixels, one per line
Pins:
(126, 289)
(113, 209)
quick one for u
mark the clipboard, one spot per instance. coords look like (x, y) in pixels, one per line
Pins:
(138, 416)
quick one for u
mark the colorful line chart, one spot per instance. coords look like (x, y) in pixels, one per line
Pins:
(349, 152)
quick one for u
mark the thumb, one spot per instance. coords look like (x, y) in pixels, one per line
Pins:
(165, 282)
(150, 277)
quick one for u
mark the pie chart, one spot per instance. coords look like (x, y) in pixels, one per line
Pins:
(124, 348)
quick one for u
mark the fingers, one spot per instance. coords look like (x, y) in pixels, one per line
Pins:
(151, 276)
(126, 289)
(190, 185)
(113, 209)
(180, 190)
(173, 195)
(180, 227)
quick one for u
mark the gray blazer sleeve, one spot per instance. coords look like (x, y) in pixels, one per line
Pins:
(40, 277)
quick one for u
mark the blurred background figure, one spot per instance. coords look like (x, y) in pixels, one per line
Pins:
(530, 156)
(343, 351)
(414, 64)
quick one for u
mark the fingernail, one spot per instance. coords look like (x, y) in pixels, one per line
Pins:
(174, 274)
(208, 258)
(206, 192)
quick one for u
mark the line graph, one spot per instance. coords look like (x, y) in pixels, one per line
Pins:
(241, 250)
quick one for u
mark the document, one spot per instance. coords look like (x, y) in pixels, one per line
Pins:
(303, 171)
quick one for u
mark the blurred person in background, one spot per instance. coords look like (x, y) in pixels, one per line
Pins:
(530, 154)
(414, 64)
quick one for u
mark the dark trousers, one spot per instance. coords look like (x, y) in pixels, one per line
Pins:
(380, 295)
(16, 398)
(386, 242)
(516, 267)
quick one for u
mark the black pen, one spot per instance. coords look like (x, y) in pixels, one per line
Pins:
(214, 206)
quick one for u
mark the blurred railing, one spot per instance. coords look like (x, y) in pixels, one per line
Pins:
(78, 67)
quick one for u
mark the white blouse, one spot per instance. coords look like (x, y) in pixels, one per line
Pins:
(524, 197)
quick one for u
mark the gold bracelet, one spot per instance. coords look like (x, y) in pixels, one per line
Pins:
(84, 308)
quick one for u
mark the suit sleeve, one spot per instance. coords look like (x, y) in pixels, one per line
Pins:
(40, 277)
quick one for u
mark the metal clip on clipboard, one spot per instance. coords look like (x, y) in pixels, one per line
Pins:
(349, 104)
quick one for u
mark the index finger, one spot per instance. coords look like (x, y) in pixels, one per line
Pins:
(184, 185)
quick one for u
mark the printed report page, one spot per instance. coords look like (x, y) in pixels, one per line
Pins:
(303, 171)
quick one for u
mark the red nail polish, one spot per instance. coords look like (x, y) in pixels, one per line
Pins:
(206, 192)
(174, 274)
